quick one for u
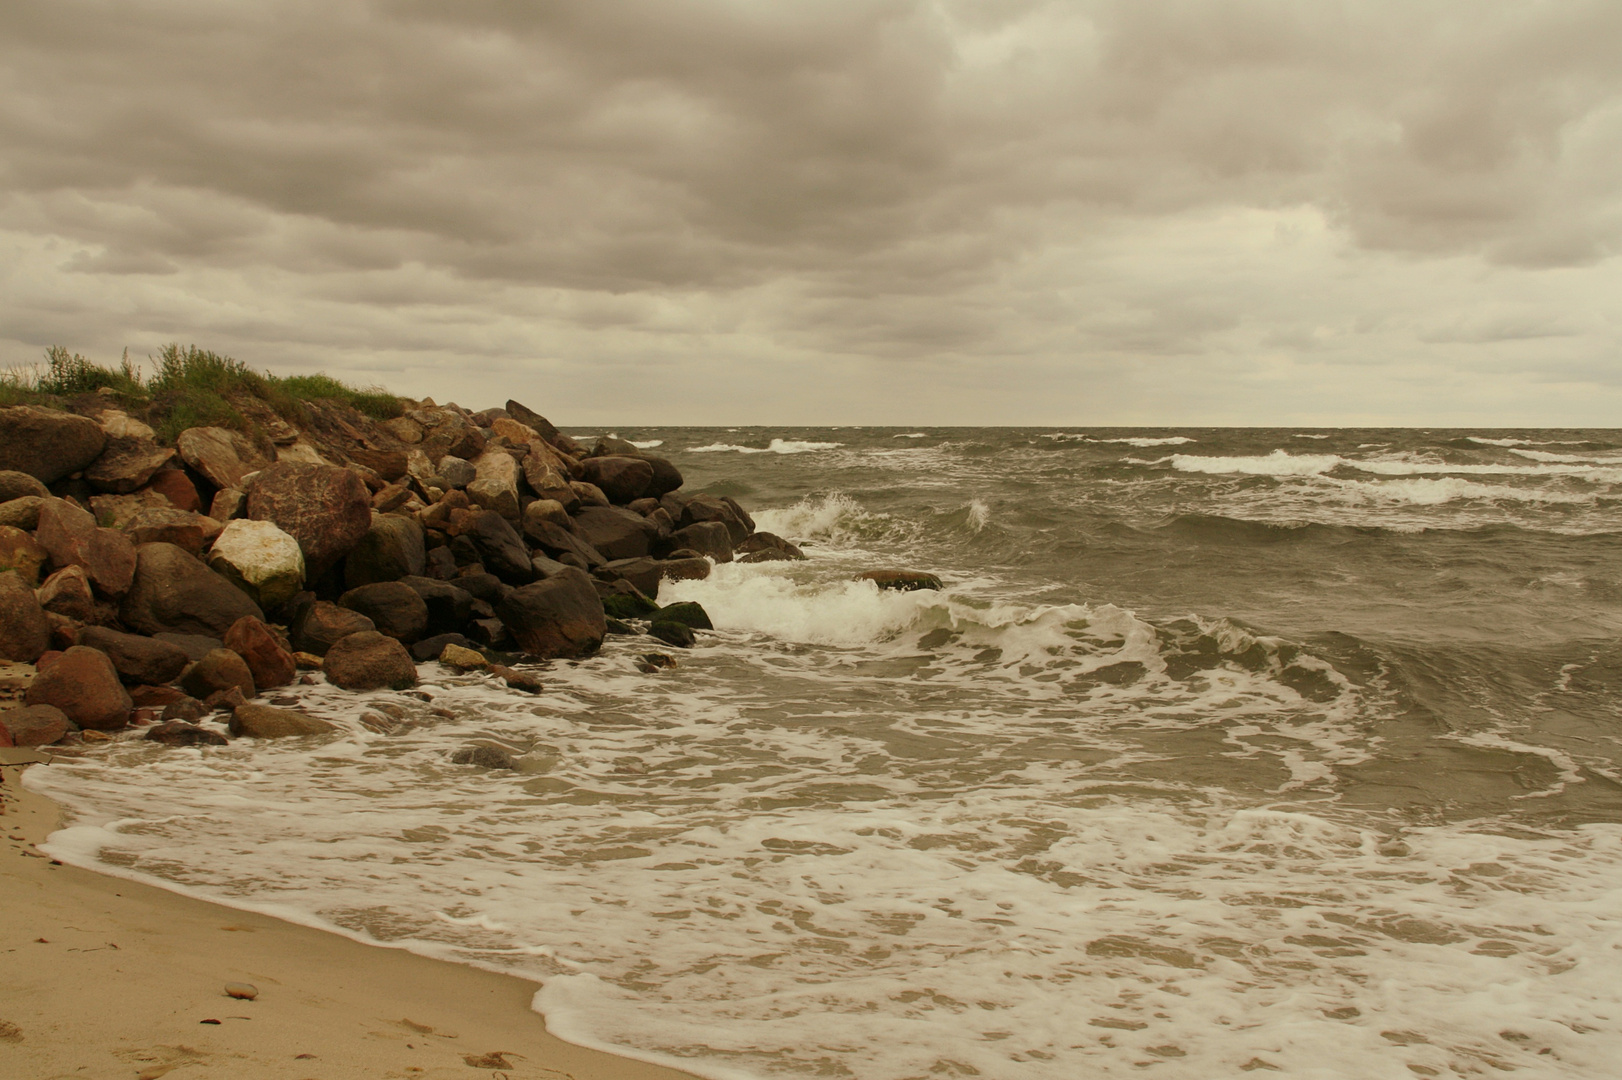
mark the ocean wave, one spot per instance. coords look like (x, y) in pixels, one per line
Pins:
(1425, 491)
(646, 444)
(912, 435)
(835, 516)
(1546, 456)
(1279, 463)
(1299, 436)
(1522, 442)
(777, 446)
(1140, 441)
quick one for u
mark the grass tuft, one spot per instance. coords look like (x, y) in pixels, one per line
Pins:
(189, 387)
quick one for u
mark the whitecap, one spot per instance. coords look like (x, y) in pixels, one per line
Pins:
(777, 446)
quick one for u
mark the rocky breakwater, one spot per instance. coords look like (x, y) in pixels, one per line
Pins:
(342, 548)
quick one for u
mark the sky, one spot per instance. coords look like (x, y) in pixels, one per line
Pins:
(1105, 212)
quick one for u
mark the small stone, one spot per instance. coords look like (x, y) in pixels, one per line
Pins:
(485, 757)
(244, 991)
(307, 661)
(461, 658)
(517, 680)
(901, 580)
(180, 733)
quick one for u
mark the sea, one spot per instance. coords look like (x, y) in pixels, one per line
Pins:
(1220, 751)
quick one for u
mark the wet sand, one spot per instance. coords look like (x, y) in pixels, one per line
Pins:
(106, 978)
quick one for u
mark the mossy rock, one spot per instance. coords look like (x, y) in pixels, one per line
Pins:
(629, 606)
(688, 613)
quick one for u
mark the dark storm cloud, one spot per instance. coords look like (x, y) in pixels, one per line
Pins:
(893, 179)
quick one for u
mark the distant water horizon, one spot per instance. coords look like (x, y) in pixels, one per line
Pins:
(1222, 749)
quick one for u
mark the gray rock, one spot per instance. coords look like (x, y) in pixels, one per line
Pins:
(559, 617)
(391, 549)
(615, 532)
(710, 538)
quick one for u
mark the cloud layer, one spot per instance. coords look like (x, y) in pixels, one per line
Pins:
(734, 210)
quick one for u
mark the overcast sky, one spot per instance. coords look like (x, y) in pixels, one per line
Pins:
(818, 211)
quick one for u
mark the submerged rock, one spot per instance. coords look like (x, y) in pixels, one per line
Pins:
(180, 733)
(901, 580)
(485, 757)
(269, 722)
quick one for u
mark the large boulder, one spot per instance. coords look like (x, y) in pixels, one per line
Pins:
(36, 725)
(67, 592)
(546, 478)
(220, 670)
(717, 508)
(166, 525)
(19, 551)
(260, 559)
(615, 532)
(268, 663)
(620, 478)
(324, 624)
(177, 489)
(558, 541)
(221, 456)
(267, 722)
(130, 458)
(174, 592)
(84, 684)
(531, 419)
(70, 535)
(709, 538)
(22, 512)
(370, 661)
(559, 617)
(666, 477)
(47, 444)
(500, 548)
(17, 485)
(644, 573)
(143, 660)
(391, 549)
(449, 606)
(325, 508)
(394, 608)
(24, 631)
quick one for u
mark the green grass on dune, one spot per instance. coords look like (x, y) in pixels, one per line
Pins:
(188, 387)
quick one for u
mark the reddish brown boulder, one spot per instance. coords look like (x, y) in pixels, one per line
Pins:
(220, 670)
(175, 486)
(19, 551)
(325, 508)
(67, 592)
(389, 464)
(269, 663)
(47, 444)
(127, 463)
(324, 624)
(35, 725)
(559, 617)
(173, 592)
(369, 661)
(395, 609)
(24, 632)
(64, 531)
(223, 457)
(21, 513)
(85, 686)
(182, 528)
(110, 562)
(17, 485)
(138, 659)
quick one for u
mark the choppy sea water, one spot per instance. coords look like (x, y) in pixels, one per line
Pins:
(1223, 750)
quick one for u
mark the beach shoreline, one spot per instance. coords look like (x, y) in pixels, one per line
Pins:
(108, 977)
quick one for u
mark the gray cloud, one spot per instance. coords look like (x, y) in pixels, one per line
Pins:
(395, 186)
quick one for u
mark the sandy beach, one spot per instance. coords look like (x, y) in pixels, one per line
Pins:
(107, 978)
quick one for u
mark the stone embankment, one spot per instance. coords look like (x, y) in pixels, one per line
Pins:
(153, 585)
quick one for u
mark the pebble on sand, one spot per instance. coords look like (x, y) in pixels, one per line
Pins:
(244, 991)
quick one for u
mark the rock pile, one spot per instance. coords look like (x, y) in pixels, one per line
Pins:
(358, 546)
